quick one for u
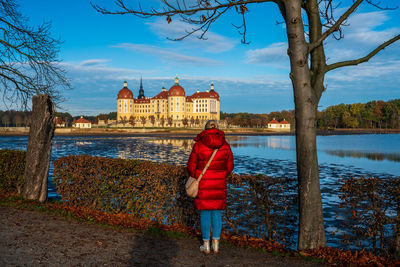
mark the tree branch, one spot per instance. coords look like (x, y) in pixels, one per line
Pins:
(363, 59)
(335, 26)
(209, 13)
(28, 61)
(172, 10)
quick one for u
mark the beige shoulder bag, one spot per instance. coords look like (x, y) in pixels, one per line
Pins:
(192, 184)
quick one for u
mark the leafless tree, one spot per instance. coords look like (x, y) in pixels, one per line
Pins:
(143, 119)
(132, 121)
(27, 120)
(170, 121)
(185, 122)
(162, 121)
(308, 67)
(28, 59)
(152, 119)
(6, 120)
(123, 120)
(17, 120)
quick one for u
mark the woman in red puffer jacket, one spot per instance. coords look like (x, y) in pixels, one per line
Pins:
(211, 199)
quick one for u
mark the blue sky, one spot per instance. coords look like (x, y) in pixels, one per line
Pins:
(100, 52)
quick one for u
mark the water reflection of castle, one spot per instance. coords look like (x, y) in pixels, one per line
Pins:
(173, 151)
(274, 142)
(183, 143)
(235, 141)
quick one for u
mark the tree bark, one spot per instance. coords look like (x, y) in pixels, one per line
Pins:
(311, 224)
(39, 148)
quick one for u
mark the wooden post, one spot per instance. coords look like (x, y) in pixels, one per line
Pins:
(39, 148)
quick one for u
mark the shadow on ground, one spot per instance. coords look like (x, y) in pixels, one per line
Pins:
(153, 250)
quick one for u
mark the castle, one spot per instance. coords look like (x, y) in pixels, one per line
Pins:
(168, 108)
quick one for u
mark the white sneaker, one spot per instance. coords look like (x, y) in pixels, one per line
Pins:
(215, 245)
(205, 247)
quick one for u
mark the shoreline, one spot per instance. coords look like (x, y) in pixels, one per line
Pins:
(24, 131)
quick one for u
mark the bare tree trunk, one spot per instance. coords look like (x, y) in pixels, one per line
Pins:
(39, 148)
(311, 223)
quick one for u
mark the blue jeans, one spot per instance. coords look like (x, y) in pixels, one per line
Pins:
(208, 218)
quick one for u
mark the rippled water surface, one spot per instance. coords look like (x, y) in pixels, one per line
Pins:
(339, 156)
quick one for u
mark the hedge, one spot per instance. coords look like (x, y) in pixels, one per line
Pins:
(371, 209)
(12, 167)
(156, 191)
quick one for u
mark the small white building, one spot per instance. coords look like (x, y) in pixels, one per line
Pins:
(284, 125)
(82, 123)
(276, 125)
(60, 123)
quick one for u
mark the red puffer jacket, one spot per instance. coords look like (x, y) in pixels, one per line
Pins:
(212, 187)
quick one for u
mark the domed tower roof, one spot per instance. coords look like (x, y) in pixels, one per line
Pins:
(176, 89)
(125, 93)
(212, 93)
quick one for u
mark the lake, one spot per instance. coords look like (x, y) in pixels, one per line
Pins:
(338, 155)
(376, 155)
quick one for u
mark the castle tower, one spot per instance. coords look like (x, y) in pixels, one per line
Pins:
(141, 91)
(177, 102)
(124, 103)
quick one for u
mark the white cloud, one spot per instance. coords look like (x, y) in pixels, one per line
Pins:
(373, 71)
(365, 31)
(88, 71)
(169, 54)
(274, 54)
(362, 28)
(94, 62)
(214, 43)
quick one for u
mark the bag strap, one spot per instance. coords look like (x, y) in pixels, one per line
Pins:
(207, 165)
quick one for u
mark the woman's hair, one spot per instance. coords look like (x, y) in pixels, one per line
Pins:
(211, 124)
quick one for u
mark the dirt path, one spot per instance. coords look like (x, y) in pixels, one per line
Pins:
(30, 238)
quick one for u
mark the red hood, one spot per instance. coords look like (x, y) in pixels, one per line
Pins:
(212, 138)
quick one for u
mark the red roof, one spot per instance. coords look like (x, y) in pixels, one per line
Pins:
(200, 95)
(189, 99)
(161, 95)
(82, 120)
(59, 121)
(176, 90)
(284, 122)
(210, 94)
(214, 94)
(274, 121)
(141, 101)
(125, 93)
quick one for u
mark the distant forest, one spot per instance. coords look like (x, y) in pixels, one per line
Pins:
(374, 114)
(12, 118)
